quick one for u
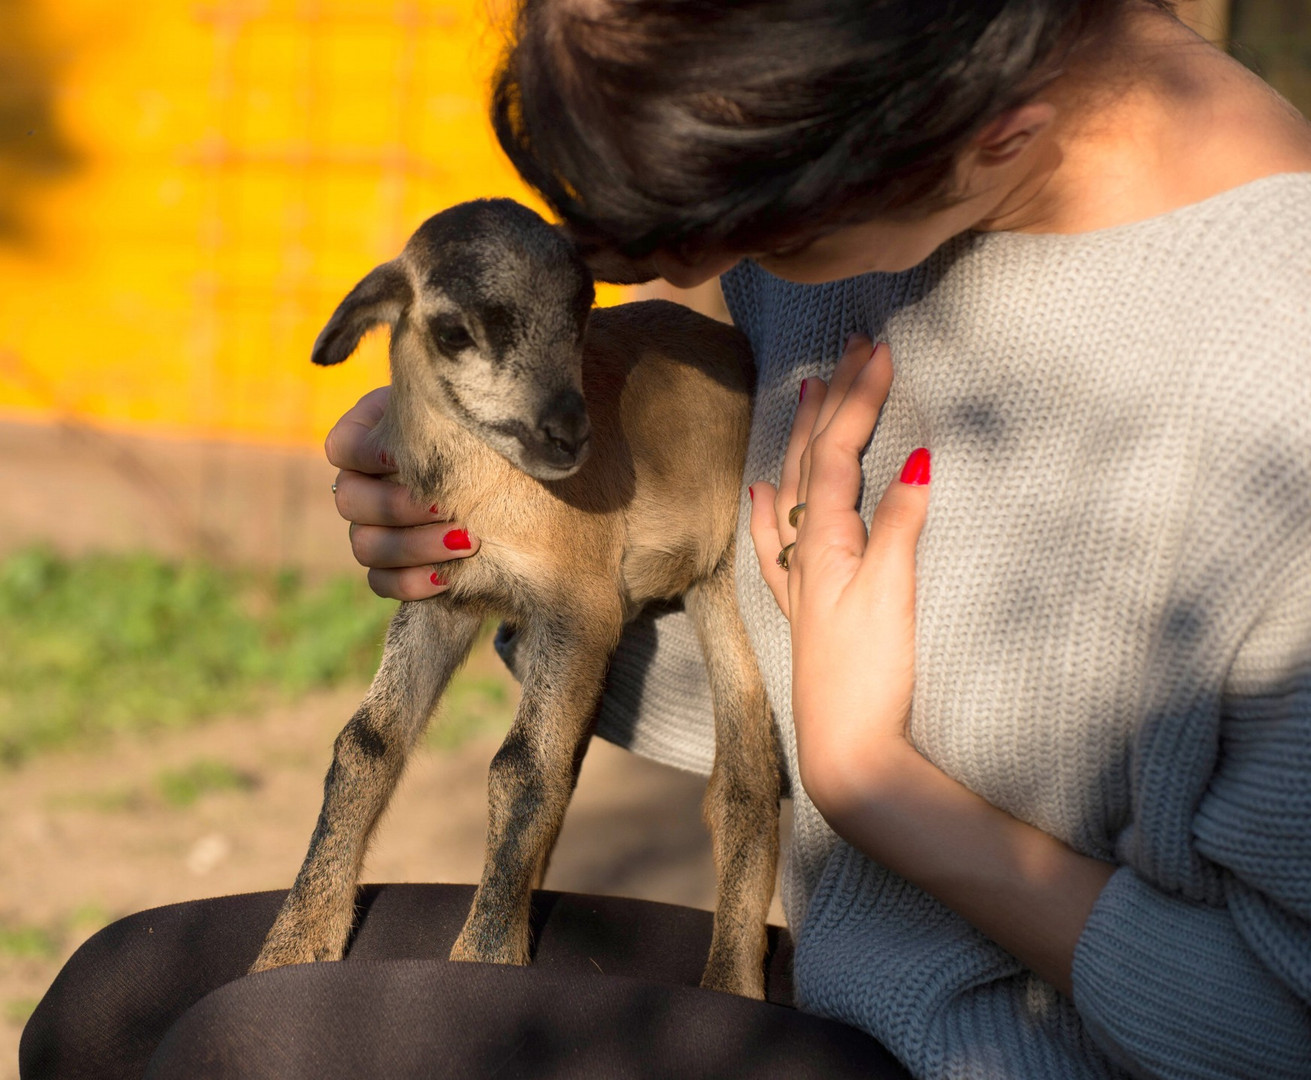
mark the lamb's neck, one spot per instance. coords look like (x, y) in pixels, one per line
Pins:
(438, 459)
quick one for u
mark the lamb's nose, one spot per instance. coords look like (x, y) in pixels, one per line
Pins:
(564, 424)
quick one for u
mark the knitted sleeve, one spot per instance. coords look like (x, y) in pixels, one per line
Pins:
(1173, 988)
(657, 694)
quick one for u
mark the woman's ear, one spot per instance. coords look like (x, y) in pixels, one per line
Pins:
(1005, 138)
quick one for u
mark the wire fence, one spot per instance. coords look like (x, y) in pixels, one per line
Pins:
(186, 190)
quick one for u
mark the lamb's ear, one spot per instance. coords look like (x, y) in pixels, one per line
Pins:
(379, 298)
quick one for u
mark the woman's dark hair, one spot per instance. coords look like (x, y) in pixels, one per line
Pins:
(740, 124)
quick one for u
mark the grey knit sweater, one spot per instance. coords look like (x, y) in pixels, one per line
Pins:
(1113, 640)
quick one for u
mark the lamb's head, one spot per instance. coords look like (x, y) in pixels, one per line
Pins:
(487, 306)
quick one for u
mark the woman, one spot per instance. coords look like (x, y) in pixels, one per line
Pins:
(1049, 723)
(1090, 236)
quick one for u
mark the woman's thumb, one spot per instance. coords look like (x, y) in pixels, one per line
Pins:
(900, 515)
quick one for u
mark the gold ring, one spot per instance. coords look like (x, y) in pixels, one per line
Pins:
(785, 556)
(794, 515)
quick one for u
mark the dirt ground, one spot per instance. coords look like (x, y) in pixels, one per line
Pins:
(91, 835)
(87, 837)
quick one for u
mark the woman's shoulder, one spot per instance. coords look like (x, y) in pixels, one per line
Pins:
(1225, 281)
(1264, 225)
(1244, 259)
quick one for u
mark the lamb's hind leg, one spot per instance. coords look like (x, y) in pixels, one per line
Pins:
(741, 805)
(532, 778)
(426, 642)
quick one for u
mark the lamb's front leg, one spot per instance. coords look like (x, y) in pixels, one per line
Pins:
(426, 642)
(532, 778)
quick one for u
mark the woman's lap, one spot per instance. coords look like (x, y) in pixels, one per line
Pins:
(611, 993)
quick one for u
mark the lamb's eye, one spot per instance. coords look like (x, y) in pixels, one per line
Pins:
(450, 336)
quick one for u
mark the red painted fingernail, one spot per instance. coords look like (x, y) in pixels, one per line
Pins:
(916, 470)
(457, 540)
(382, 456)
(432, 509)
(437, 579)
(802, 396)
(750, 492)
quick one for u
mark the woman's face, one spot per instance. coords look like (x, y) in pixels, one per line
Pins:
(881, 245)
(998, 180)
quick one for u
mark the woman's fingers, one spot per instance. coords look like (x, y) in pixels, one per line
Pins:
(372, 500)
(404, 543)
(411, 563)
(833, 477)
(895, 529)
(383, 548)
(813, 392)
(822, 407)
(767, 541)
(349, 444)
(819, 401)
(408, 583)
(854, 357)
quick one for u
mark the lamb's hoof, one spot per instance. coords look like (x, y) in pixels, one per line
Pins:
(734, 980)
(467, 950)
(285, 953)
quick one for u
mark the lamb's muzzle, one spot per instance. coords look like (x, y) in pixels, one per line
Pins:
(564, 427)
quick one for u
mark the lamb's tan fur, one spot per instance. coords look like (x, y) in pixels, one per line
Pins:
(640, 508)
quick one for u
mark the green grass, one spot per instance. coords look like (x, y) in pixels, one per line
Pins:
(176, 788)
(28, 942)
(105, 644)
(205, 776)
(17, 1010)
(473, 704)
(41, 947)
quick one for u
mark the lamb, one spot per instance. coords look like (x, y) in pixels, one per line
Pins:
(598, 454)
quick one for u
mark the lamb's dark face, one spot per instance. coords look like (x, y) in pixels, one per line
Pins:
(497, 322)
(488, 304)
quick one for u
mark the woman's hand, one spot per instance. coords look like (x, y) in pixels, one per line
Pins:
(849, 594)
(850, 599)
(401, 541)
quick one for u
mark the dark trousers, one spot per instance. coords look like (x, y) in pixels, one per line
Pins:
(612, 993)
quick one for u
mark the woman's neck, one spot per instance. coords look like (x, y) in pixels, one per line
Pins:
(1155, 119)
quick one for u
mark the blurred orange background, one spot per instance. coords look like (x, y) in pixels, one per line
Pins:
(186, 191)
(216, 176)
